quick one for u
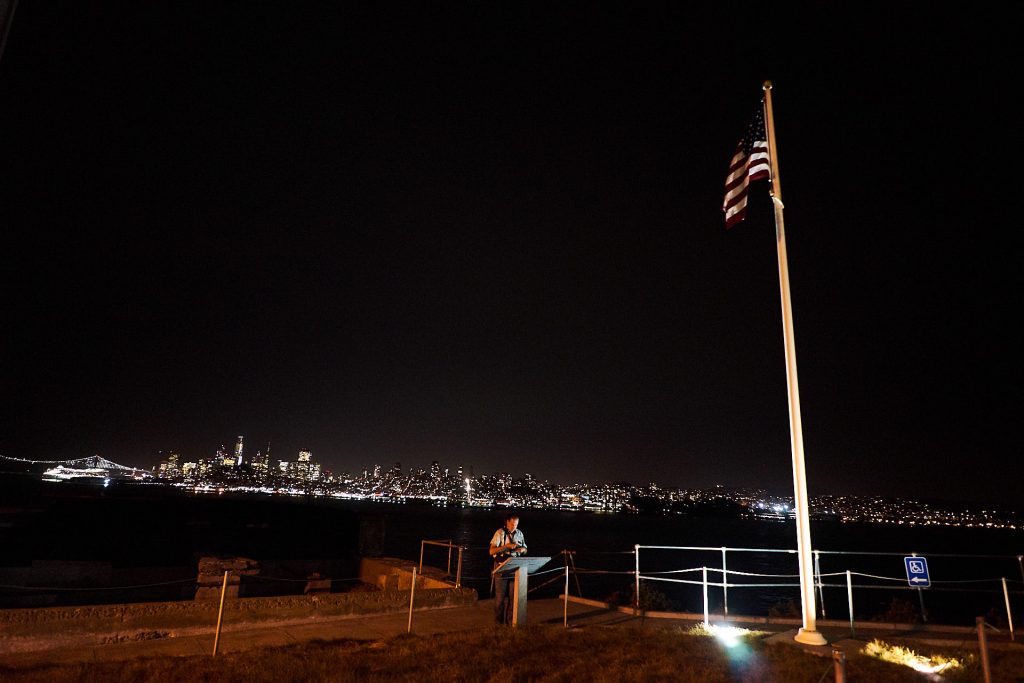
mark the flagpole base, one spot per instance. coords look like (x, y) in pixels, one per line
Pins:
(809, 637)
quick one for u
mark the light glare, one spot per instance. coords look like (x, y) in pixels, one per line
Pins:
(907, 657)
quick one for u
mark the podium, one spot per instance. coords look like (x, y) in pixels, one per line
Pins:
(523, 567)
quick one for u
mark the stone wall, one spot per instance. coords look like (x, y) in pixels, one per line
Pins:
(45, 628)
(389, 573)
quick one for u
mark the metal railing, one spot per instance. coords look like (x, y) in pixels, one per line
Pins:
(445, 543)
(819, 577)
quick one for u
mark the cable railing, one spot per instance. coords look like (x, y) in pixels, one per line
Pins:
(718, 581)
(997, 584)
(726, 579)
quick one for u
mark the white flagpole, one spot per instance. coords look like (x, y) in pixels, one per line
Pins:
(808, 634)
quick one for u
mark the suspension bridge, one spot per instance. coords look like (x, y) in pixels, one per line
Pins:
(93, 466)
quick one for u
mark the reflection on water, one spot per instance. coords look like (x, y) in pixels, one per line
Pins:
(157, 535)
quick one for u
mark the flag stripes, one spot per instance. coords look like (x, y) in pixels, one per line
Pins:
(750, 162)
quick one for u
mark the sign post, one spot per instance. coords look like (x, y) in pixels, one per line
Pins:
(917, 577)
(523, 567)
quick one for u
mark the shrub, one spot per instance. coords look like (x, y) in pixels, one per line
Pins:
(784, 609)
(650, 599)
(900, 612)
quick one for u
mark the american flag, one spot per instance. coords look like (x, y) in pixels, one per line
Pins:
(750, 162)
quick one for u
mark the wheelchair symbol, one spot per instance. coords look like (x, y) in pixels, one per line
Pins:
(917, 572)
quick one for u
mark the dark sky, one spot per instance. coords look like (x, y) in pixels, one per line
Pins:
(491, 235)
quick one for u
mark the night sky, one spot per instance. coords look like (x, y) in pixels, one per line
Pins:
(491, 235)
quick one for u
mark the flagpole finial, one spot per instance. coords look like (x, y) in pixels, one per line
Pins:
(767, 85)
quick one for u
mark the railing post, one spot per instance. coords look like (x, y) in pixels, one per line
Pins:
(704, 574)
(458, 575)
(423, 544)
(412, 596)
(817, 572)
(725, 586)
(849, 600)
(565, 606)
(1009, 615)
(839, 657)
(220, 613)
(575, 574)
(636, 592)
(983, 647)
(449, 557)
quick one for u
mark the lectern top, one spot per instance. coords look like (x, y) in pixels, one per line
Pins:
(532, 564)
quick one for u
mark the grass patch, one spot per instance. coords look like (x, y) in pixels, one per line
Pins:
(717, 630)
(897, 654)
(504, 655)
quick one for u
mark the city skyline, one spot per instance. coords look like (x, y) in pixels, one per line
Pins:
(461, 482)
(503, 490)
(494, 235)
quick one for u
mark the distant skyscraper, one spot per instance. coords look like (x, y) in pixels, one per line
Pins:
(304, 466)
(238, 452)
(169, 466)
(261, 463)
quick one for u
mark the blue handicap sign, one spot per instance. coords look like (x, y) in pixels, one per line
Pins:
(917, 572)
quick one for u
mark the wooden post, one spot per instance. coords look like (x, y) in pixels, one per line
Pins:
(412, 596)
(565, 607)
(839, 657)
(458, 574)
(1009, 614)
(983, 646)
(220, 613)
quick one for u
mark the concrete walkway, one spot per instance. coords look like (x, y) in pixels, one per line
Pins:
(433, 621)
(236, 639)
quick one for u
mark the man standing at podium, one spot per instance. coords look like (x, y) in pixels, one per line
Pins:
(508, 541)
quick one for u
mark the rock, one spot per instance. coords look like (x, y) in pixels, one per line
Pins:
(210, 579)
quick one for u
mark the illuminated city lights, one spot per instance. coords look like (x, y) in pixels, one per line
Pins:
(458, 486)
